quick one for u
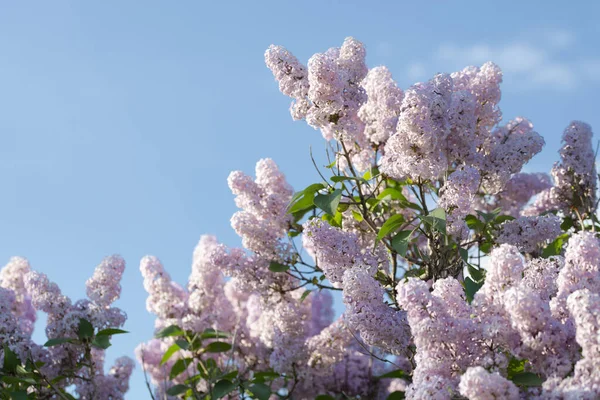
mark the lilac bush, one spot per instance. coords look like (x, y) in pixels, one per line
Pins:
(461, 276)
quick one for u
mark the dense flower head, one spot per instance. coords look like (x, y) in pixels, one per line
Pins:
(457, 197)
(484, 84)
(479, 384)
(581, 270)
(263, 219)
(575, 175)
(417, 148)
(378, 324)
(104, 286)
(336, 250)
(530, 233)
(12, 277)
(166, 299)
(381, 110)
(511, 146)
(519, 189)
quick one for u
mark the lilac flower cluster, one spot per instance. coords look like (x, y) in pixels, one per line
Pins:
(530, 233)
(436, 142)
(575, 178)
(458, 197)
(23, 292)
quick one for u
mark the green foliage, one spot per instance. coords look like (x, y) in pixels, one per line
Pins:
(329, 202)
(23, 379)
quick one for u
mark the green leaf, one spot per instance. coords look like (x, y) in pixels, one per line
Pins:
(172, 330)
(357, 216)
(337, 179)
(527, 379)
(400, 242)
(277, 267)
(179, 366)
(183, 344)
(567, 223)
(437, 220)
(260, 391)
(211, 333)
(177, 390)
(223, 388)
(303, 200)
(393, 194)
(503, 218)
(464, 254)
(266, 375)
(324, 397)
(57, 341)
(19, 395)
(477, 274)
(174, 348)
(471, 287)
(110, 332)
(304, 295)
(515, 366)
(85, 329)
(414, 272)
(486, 247)
(371, 173)
(230, 375)
(398, 373)
(329, 202)
(102, 342)
(10, 359)
(397, 395)
(474, 223)
(217, 347)
(555, 247)
(391, 225)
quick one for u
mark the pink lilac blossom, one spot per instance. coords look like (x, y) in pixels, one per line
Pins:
(546, 200)
(381, 110)
(575, 175)
(263, 220)
(540, 274)
(104, 287)
(12, 277)
(334, 78)
(417, 148)
(483, 83)
(292, 77)
(166, 299)
(584, 307)
(322, 312)
(519, 189)
(479, 384)
(511, 146)
(327, 348)
(545, 340)
(444, 334)
(464, 140)
(208, 307)
(379, 324)
(457, 197)
(10, 332)
(337, 250)
(530, 233)
(581, 271)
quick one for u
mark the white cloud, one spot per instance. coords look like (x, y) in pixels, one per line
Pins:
(528, 63)
(560, 38)
(556, 75)
(416, 71)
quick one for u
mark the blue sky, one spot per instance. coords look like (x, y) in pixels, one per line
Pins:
(120, 121)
